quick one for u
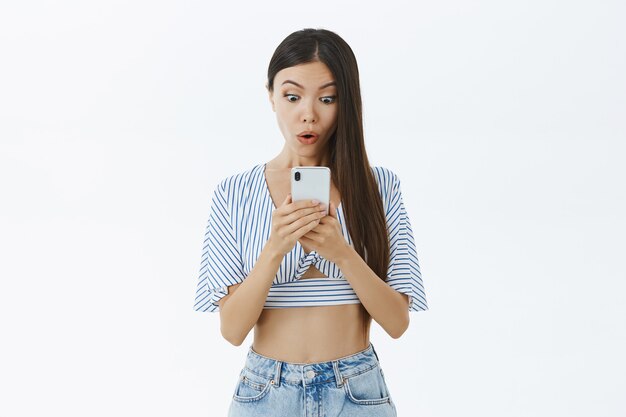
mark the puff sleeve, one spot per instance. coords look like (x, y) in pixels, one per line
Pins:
(404, 273)
(221, 263)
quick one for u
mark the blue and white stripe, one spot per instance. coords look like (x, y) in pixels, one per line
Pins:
(239, 225)
(311, 292)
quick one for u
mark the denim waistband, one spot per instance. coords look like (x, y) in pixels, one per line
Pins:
(312, 373)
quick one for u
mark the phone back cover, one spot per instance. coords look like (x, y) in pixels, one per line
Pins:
(314, 183)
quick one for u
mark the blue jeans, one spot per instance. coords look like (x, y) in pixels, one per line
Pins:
(350, 386)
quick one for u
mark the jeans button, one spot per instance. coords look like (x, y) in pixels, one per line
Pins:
(310, 374)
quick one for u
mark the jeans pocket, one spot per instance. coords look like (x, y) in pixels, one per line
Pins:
(251, 387)
(367, 388)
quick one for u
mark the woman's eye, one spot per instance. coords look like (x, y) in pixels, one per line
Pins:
(326, 100)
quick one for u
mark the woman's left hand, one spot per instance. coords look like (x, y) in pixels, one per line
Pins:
(326, 238)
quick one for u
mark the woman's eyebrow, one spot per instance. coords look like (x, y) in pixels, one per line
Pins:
(298, 85)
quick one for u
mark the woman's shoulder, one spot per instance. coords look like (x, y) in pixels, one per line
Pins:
(234, 182)
(387, 180)
(383, 174)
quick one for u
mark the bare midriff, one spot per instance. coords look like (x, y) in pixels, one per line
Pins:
(312, 334)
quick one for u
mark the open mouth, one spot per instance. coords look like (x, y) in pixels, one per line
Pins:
(308, 138)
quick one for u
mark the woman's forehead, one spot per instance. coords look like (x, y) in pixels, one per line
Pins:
(309, 75)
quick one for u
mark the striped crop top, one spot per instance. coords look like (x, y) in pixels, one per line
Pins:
(239, 224)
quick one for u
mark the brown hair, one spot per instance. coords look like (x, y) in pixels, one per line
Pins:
(349, 165)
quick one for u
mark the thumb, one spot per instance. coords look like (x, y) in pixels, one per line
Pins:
(287, 199)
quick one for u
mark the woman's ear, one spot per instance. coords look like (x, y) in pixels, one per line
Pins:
(271, 96)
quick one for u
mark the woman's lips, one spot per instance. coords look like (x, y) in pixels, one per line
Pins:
(308, 141)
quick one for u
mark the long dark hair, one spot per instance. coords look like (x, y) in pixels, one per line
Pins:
(350, 169)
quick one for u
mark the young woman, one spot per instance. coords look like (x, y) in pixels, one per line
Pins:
(309, 283)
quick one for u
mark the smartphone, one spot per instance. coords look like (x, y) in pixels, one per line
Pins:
(309, 183)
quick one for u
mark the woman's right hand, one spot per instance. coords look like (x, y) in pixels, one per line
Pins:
(291, 220)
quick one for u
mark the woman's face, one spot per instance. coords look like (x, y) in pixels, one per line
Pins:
(305, 99)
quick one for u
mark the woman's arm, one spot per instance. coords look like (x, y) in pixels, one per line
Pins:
(240, 309)
(390, 308)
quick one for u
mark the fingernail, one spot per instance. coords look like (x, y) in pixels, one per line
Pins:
(315, 201)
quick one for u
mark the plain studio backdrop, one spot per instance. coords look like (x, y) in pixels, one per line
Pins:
(505, 122)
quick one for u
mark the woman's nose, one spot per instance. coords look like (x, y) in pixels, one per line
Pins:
(308, 114)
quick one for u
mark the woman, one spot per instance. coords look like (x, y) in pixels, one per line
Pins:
(297, 275)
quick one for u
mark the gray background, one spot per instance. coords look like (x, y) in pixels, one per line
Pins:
(503, 120)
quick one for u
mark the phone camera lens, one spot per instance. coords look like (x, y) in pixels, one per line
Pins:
(297, 175)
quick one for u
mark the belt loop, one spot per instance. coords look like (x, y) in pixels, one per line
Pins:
(338, 377)
(374, 350)
(277, 374)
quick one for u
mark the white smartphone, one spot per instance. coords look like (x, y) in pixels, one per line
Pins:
(309, 183)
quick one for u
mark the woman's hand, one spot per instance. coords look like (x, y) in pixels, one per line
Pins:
(326, 238)
(291, 221)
